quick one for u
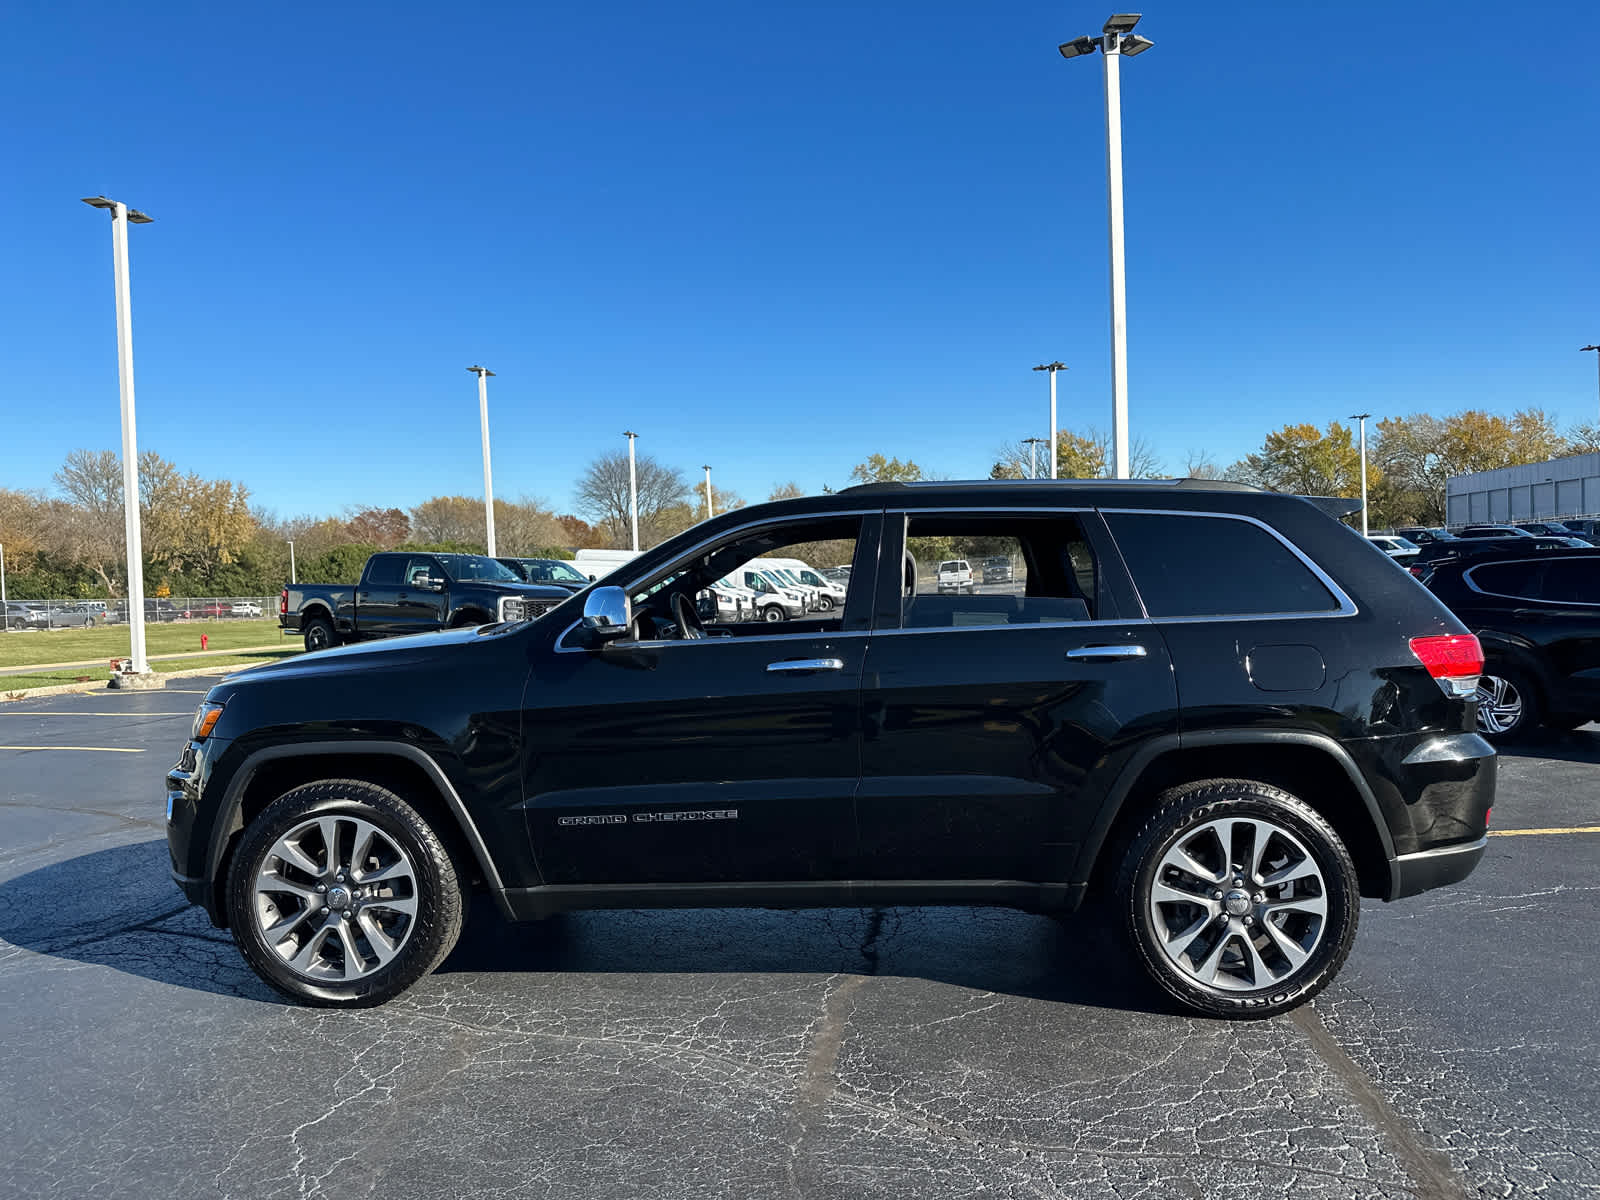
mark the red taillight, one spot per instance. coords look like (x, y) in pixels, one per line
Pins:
(283, 603)
(1416, 572)
(1454, 659)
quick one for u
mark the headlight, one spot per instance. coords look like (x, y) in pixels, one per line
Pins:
(205, 719)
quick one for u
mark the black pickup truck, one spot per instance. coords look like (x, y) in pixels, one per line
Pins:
(412, 592)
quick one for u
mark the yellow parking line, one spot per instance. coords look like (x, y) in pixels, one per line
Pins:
(1542, 832)
(95, 749)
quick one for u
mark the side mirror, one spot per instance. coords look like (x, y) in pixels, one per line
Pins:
(435, 584)
(606, 613)
(592, 578)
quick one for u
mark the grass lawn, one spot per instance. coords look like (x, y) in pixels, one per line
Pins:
(16, 683)
(111, 641)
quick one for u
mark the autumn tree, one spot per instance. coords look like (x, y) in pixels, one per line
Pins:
(384, 528)
(92, 532)
(603, 495)
(449, 519)
(1417, 454)
(878, 469)
(1305, 461)
(577, 532)
(786, 491)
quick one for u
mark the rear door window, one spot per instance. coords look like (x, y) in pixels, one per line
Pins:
(1056, 578)
(1215, 566)
(1572, 581)
(385, 570)
(1519, 580)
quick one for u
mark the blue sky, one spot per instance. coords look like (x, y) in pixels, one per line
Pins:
(776, 238)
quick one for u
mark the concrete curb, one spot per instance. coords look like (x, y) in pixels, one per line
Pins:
(37, 668)
(68, 689)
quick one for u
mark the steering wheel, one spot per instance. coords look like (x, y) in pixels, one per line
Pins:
(688, 620)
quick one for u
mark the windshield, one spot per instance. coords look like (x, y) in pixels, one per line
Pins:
(464, 567)
(788, 576)
(812, 578)
(552, 570)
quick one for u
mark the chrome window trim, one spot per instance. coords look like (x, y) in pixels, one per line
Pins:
(1472, 585)
(1347, 607)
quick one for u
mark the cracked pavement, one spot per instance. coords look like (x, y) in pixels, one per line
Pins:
(880, 1052)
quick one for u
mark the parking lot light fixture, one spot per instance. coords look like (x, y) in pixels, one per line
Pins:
(633, 488)
(1052, 368)
(710, 511)
(1596, 357)
(1362, 417)
(121, 217)
(1116, 40)
(483, 374)
(5, 612)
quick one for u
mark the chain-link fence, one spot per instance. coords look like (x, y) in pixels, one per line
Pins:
(22, 616)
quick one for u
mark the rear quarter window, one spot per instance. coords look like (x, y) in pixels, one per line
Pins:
(1211, 566)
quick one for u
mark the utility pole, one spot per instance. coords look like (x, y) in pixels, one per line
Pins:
(1032, 444)
(1052, 368)
(121, 217)
(1118, 41)
(710, 512)
(483, 374)
(5, 612)
(1597, 354)
(633, 487)
(1362, 417)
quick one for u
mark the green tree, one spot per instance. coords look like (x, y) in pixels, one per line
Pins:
(1306, 461)
(878, 469)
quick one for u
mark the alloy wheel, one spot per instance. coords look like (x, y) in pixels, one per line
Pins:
(1499, 704)
(335, 898)
(1238, 904)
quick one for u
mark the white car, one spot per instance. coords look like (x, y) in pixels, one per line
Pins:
(245, 609)
(955, 575)
(1402, 550)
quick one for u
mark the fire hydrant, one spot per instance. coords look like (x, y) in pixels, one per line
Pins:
(203, 641)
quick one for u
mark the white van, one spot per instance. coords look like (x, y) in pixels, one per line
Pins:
(597, 563)
(830, 592)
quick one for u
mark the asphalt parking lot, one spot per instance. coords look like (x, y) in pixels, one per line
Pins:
(883, 1052)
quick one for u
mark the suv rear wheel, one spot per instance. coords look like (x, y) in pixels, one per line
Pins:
(1239, 898)
(1508, 704)
(341, 894)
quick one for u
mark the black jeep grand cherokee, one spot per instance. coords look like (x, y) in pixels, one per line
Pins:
(1217, 710)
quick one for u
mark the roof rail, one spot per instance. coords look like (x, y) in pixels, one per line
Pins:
(1198, 485)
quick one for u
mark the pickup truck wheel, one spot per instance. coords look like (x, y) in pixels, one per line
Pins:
(1239, 899)
(340, 894)
(318, 633)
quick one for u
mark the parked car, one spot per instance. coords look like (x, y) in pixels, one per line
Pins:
(404, 592)
(997, 570)
(954, 575)
(830, 593)
(20, 616)
(1538, 620)
(160, 610)
(1491, 531)
(210, 610)
(1402, 550)
(1434, 553)
(1584, 527)
(773, 603)
(1423, 534)
(1545, 528)
(551, 571)
(244, 608)
(1210, 712)
(73, 616)
(596, 563)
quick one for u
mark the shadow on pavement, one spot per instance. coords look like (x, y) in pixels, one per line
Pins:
(1579, 746)
(118, 908)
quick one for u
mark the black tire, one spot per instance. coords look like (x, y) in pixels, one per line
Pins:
(825, 603)
(319, 634)
(774, 612)
(1186, 812)
(438, 894)
(1510, 708)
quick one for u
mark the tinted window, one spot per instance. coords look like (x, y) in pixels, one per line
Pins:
(1520, 579)
(385, 570)
(1053, 575)
(1572, 581)
(1214, 566)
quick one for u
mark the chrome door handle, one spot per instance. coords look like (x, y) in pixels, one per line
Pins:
(807, 664)
(1105, 653)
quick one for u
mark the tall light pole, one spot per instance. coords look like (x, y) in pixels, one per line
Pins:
(483, 374)
(710, 512)
(5, 613)
(291, 561)
(1597, 354)
(1052, 368)
(1117, 40)
(1032, 444)
(633, 488)
(1362, 417)
(121, 217)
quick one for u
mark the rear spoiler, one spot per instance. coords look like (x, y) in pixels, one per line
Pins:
(1334, 506)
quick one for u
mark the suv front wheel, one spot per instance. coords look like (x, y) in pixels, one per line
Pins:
(1240, 899)
(341, 894)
